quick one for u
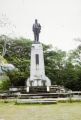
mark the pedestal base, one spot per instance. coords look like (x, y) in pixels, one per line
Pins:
(38, 89)
(37, 69)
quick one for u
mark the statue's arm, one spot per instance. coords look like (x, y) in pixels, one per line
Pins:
(33, 27)
(39, 28)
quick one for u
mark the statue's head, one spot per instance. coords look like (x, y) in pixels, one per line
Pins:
(35, 20)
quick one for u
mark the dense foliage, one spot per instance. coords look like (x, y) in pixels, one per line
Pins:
(61, 67)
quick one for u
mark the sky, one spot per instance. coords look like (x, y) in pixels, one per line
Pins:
(60, 20)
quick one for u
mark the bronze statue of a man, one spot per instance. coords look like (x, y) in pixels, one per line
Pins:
(36, 30)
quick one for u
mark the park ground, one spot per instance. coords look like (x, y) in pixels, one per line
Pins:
(59, 111)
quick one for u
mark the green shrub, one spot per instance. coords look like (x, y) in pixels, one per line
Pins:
(4, 85)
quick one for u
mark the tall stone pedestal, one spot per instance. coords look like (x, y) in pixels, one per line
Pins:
(37, 68)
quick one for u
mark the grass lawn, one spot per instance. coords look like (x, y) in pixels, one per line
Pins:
(60, 111)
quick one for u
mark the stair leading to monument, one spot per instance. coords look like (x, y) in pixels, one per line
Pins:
(38, 95)
(35, 101)
(43, 98)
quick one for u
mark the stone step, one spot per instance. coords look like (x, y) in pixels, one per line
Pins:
(40, 95)
(40, 101)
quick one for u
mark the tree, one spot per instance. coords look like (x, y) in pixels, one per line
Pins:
(62, 68)
(18, 54)
(54, 64)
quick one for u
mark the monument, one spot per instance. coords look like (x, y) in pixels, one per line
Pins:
(37, 67)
